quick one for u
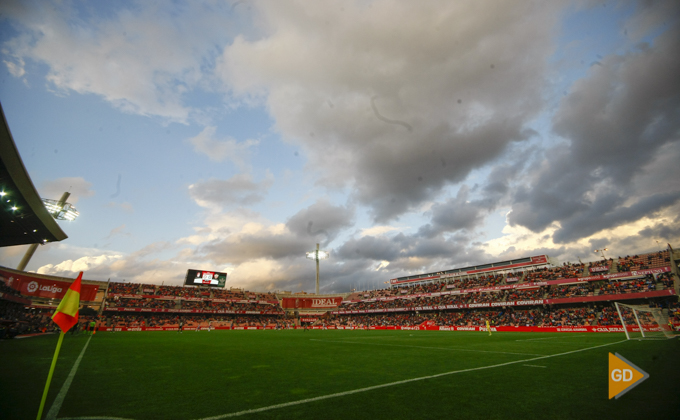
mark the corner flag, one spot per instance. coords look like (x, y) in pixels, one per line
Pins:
(66, 315)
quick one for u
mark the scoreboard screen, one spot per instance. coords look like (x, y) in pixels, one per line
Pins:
(205, 278)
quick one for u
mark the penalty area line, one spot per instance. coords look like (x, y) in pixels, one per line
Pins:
(405, 381)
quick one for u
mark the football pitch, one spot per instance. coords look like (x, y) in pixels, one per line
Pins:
(335, 374)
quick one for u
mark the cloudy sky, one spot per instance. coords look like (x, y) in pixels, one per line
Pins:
(405, 137)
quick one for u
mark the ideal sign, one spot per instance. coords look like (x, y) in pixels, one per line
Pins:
(309, 302)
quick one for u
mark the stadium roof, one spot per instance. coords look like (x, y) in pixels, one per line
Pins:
(23, 217)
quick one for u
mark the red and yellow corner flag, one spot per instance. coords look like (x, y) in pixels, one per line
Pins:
(66, 315)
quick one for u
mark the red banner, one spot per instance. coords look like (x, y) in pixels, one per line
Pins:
(194, 311)
(29, 285)
(584, 329)
(308, 302)
(161, 297)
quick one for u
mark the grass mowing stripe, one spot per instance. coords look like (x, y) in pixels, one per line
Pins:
(424, 347)
(405, 381)
(56, 405)
(548, 338)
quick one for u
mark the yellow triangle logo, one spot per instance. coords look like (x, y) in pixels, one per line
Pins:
(623, 375)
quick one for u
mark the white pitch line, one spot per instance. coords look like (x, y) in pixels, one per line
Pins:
(405, 381)
(94, 418)
(425, 347)
(56, 405)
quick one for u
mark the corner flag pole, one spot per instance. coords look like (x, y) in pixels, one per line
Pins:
(66, 316)
(49, 376)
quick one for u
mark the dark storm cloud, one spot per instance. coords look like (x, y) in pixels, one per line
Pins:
(662, 231)
(403, 176)
(412, 253)
(464, 212)
(456, 214)
(248, 247)
(321, 221)
(237, 190)
(375, 248)
(619, 122)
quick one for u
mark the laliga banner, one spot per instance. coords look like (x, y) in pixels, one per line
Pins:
(308, 302)
(37, 287)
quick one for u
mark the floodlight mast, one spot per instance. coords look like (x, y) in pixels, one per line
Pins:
(60, 210)
(601, 251)
(317, 255)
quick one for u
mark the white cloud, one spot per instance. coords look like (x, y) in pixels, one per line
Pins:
(76, 186)
(15, 69)
(81, 264)
(220, 149)
(379, 230)
(142, 58)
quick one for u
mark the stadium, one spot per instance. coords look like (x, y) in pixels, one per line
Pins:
(421, 346)
(492, 189)
(525, 338)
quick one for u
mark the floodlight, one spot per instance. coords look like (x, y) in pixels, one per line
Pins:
(601, 251)
(60, 210)
(321, 255)
(318, 255)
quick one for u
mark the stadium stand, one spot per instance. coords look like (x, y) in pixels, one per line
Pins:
(570, 295)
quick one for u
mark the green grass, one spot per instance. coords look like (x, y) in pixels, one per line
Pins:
(166, 375)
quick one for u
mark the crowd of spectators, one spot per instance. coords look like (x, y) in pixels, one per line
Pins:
(566, 271)
(567, 291)
(16, 320)
(488, 280)
(609, 317)
(525, 294)
(573, 317)
(228, 294)
(141, 303)
(644, 261)
(169, 291)
(483, 297)
(397, 291)
(615, 287)
(665, 279)
(124, 288)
